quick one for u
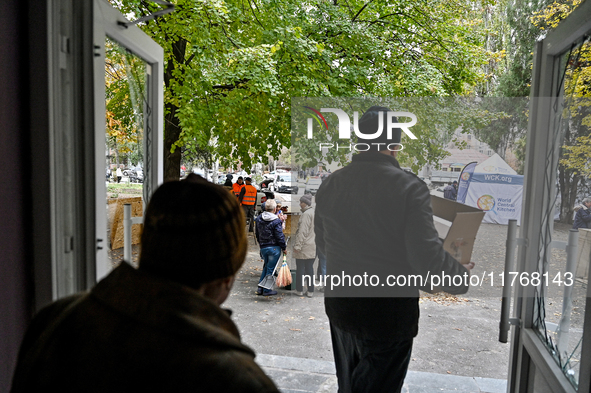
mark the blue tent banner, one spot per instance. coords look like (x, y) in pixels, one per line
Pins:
(515, 180)
(464, 181)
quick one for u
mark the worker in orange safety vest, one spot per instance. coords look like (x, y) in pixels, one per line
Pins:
(248, 199)
(238, 186)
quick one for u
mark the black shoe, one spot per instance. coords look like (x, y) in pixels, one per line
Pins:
(267, 292)
(259, 291)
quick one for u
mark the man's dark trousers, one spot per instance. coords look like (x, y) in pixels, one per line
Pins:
(249, 213)
(369, 365)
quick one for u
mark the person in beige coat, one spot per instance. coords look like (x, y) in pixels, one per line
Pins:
(304, 248)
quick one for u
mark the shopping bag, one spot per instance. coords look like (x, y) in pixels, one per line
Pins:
(284, 275)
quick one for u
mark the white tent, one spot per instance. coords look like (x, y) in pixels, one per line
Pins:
(497, 189)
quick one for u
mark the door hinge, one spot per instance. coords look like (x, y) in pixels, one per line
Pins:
(515, 322)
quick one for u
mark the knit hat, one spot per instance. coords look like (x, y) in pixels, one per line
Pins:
(193, 232)
(307, 199)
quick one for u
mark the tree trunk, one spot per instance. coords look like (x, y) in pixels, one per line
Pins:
(172, 129)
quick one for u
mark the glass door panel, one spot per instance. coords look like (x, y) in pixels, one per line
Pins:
(126, 104)
(560, 299)
(129, 96)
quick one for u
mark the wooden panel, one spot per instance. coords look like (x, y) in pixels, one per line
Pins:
(117, 224)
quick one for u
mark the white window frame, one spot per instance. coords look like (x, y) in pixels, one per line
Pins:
(109, 22)
(529, 357)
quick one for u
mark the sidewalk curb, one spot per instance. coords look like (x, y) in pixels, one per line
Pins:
(300, 375)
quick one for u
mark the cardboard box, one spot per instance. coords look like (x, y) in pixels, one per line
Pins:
(117, 222)
(457, 225)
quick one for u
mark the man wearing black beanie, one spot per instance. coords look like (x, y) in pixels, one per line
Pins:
(373, 322)
(158, 328)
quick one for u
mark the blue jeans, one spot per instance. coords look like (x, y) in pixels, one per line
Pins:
(270, 255)
(367, 365)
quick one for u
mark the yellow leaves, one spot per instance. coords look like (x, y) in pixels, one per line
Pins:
(553, 14)
(276, 47)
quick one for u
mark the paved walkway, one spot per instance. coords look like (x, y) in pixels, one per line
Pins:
(296, 375)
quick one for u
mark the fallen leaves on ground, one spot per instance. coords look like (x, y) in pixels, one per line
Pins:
(442, 298)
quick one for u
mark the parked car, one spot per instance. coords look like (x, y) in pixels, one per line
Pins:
(262, 196)
(285, 184)
(267, 184)
(136, 175)
(312, 185)
(274, 174)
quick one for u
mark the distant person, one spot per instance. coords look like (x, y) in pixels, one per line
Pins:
(119, 174)
(390, 234)
(248, 199)
(304, 248)
(238, 186)
(271, 240)
(228, 182)
(279, 212)
(451, 191)
(158, 328)
(583, 215)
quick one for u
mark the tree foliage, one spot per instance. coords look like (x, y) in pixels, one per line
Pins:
(233, 66)
(124, 92)
(512, 36)
(576, 111)
(437, 119)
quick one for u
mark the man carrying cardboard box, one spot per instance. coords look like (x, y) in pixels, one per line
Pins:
(377, 247)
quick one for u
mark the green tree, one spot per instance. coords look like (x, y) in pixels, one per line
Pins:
(124, 91)
(233, 66)
(576, 115)
(511, 36)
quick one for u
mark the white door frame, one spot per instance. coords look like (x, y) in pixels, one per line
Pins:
(108, 22)
(529, 355)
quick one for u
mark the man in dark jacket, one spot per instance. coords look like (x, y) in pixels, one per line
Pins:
(269, 234)
(583, 215)
(373, 324)
(451, 191)
(158, 328)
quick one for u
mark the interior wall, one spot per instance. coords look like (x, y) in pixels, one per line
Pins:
(15, 265)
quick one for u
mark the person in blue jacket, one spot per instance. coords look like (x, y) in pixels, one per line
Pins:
(269, 234)
(583, 215)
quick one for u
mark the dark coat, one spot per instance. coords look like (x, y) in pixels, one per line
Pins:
(269, 232)
(582, 218)
(136, 333)
(450, 192)
(373, 217)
